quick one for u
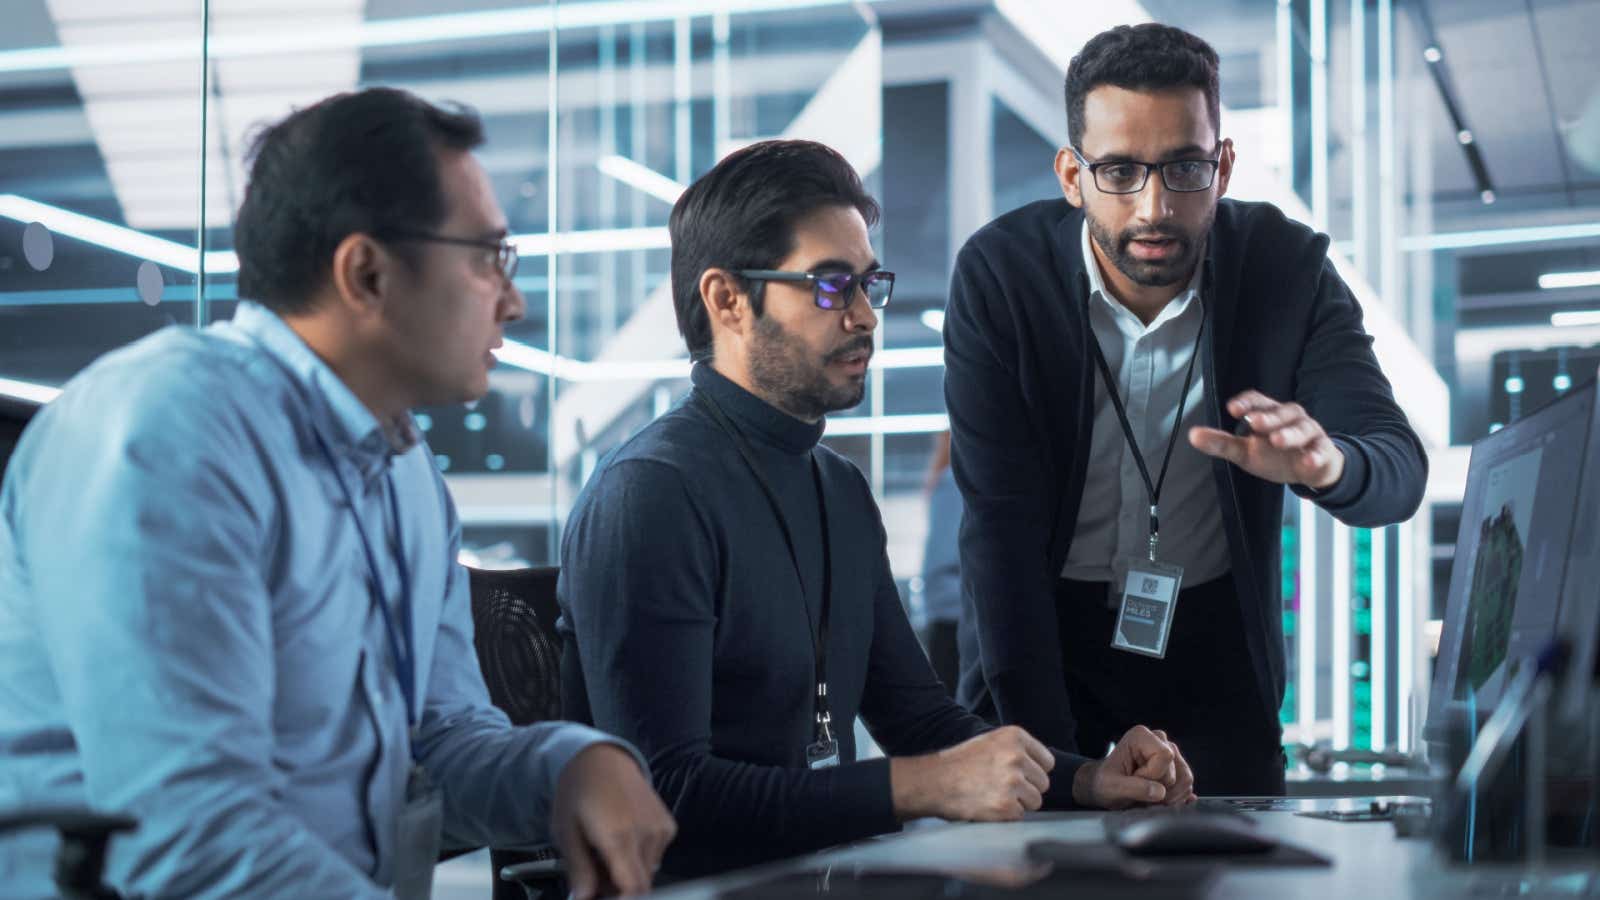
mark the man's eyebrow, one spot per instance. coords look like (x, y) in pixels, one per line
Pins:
(843, 265)
(1187, 151)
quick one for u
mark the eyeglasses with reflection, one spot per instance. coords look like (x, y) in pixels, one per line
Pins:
(1129, 176)
(501, 254)
(834, 290)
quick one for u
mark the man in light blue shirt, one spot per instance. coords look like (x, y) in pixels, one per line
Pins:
(229, 600)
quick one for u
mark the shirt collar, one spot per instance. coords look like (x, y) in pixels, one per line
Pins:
(340, 416)
(755, 416)
(1121, 314)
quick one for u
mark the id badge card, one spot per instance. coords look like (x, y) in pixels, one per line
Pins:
(823, 754)
(417, 841)
(1149, 598)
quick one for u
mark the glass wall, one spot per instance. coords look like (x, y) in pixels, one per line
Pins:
(122, 154)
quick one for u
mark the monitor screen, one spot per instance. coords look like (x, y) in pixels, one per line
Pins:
(1511, 555)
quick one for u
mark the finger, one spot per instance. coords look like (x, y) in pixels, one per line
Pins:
(1030, 797)
(1119, 791)
(1181, 792)
(1220, 444)
(1276, 415)
(1038, 752)
(625, 864)
(1035, 776)
(1247, 401)
(1158, 765)
(663, 839)
(582, 874)
(1302, 435)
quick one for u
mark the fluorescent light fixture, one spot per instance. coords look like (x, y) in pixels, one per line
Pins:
(1342, 609)
(1306, 625)
(1579, 317)
(1553, 280)
(1496, 237)
(1406, 613)
(543, 362)
(462, 26)
(225, 262)
(599, 240)
(642, 177)
(866, 425)
(909, 358)
(115, 237)
(933, 318)
(1379, 643)
(27, 390)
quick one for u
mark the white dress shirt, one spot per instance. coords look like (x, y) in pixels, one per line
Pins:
(1149, 363)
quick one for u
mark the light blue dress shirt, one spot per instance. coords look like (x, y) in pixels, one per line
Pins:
(188, 632)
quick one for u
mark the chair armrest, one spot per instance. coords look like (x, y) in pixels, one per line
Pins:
(537, 870)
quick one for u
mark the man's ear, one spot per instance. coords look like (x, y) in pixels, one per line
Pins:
(727, 304)
(1224, 166)
(1070, 176)
(363, 272)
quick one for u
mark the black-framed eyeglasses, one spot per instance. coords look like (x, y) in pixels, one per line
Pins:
(834, 290)
(1129, 176)
(504, 253)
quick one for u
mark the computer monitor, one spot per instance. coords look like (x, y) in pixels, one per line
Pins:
(1512, 554)
(1579, 623)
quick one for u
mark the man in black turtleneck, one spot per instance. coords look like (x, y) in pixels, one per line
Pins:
(726, 596)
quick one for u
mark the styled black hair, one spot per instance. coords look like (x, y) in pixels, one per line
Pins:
(742, 214)
(364, 162)
(1147, 57)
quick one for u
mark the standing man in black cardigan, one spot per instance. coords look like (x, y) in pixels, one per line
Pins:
(1145, 316)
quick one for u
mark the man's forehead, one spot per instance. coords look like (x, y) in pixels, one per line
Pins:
(1120, 120)
(469, 195)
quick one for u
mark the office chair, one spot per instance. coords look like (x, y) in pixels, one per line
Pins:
(81, 859)
(514, 631)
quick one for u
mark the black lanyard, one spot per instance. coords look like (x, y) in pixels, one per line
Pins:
(404, 662)
(819, 641)
(1153, 487)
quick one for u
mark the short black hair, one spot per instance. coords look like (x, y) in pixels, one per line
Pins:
(1147, 57)
(365, 162)
(742, 214)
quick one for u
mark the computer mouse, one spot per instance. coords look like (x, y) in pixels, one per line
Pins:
(1192, 834)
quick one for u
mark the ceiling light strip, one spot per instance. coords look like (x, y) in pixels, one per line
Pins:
(462, 26)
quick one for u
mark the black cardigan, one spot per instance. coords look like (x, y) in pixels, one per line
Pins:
(1019, 385)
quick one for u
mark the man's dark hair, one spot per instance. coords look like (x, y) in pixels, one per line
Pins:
(364, 162)
(1148, 57)
(742, 214)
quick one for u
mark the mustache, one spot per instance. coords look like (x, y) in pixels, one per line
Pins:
(851, 347)
(1157, 234)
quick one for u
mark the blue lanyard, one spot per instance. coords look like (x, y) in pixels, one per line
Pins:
(404, 662)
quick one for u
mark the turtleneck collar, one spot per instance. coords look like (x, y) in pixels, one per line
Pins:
(757, 419)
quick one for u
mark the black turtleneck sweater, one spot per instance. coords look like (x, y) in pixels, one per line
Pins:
(685, 629)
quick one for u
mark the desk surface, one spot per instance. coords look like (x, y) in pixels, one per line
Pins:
(1369, 861)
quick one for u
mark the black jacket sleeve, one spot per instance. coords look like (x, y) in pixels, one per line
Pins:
(1341, 386)
(641, 597)
(999, 461)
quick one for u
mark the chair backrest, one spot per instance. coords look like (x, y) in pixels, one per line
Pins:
(14, 416)
(514, 622)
